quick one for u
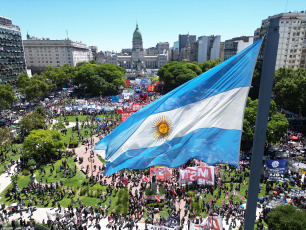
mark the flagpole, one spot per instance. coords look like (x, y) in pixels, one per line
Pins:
(266, 82)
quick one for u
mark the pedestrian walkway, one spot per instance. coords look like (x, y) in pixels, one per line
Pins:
(5, 178)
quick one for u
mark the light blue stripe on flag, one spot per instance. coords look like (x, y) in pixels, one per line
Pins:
(204, 119)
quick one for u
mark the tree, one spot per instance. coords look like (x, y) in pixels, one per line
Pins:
(289, 89)
(5, 139)
(32, 122)
(286, 217)
(207, 65)
(43, 145)
(276, 128)
(59, 126)
(176, 73)
(59, 76)
(7, 95)
(35, 87)
(99, 79)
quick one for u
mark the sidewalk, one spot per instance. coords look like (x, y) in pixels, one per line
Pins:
(5, 178)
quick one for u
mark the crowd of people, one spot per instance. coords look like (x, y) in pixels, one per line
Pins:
(218, 199)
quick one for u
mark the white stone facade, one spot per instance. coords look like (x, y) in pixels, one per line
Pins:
(42, 53)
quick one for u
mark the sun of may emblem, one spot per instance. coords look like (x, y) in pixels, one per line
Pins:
(161, 128)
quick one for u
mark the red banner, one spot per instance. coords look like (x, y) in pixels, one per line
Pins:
(125, 116)
(127, 82)
(201, 174)
(136, 107)
(119, 110)
(162, 173)
(241, 162)
(151, 87)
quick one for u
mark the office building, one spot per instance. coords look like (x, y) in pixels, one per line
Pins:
(209, 48)
(12, 60)
(235, 45)
(185, 40)
(291, 51)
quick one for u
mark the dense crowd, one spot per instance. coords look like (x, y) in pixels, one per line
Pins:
(176, 198)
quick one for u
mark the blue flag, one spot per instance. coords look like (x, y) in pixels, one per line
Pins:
(201, 119)
(275, 169)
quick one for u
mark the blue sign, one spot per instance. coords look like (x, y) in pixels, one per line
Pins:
(115, 98)
(276, 169)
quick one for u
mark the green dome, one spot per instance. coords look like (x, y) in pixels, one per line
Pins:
(137, 33)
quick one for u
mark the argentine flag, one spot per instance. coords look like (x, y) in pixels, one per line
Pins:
(201, 119)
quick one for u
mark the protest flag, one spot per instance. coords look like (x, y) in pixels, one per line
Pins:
(201, 119)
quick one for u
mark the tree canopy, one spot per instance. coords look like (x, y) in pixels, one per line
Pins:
(36, 120)
(102, 79)
(207, 65)
(276, 128)
(42, 145)
(59, 76)
(35, 87)
(176, 73)
(289, 89)
(286, 217)
(7, 95)
(5, 139)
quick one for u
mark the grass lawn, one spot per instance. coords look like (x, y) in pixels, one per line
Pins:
(75, 180)
(70, 133)
(81, 117)
(8, 160)
(88, 194)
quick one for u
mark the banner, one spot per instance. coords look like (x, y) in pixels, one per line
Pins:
(173, 221)
(211, 222)
(162, 173)
(119, 110)
(158, 198)
(155, 227)
(125, 116)
(275, 169)
(115, 98)
(151, 87)
(127, 82)
(136, 107)
(201, 174)
(242, 162)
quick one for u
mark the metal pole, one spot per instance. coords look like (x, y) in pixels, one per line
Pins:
(265, 92)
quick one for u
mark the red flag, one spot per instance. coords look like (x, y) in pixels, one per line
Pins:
(119, 110)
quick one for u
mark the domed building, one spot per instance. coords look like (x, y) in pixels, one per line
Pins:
(136, 60)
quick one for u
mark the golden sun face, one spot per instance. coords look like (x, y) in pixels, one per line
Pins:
(161, 128)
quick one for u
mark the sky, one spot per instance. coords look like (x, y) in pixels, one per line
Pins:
(109, 24)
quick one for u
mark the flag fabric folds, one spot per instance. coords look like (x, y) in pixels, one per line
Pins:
(201, 119)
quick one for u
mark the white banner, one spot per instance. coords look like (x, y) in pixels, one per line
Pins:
(210, 223)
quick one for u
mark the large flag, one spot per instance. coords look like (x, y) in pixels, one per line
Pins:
(200, 119)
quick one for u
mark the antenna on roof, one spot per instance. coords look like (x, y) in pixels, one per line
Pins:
(67, 34)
